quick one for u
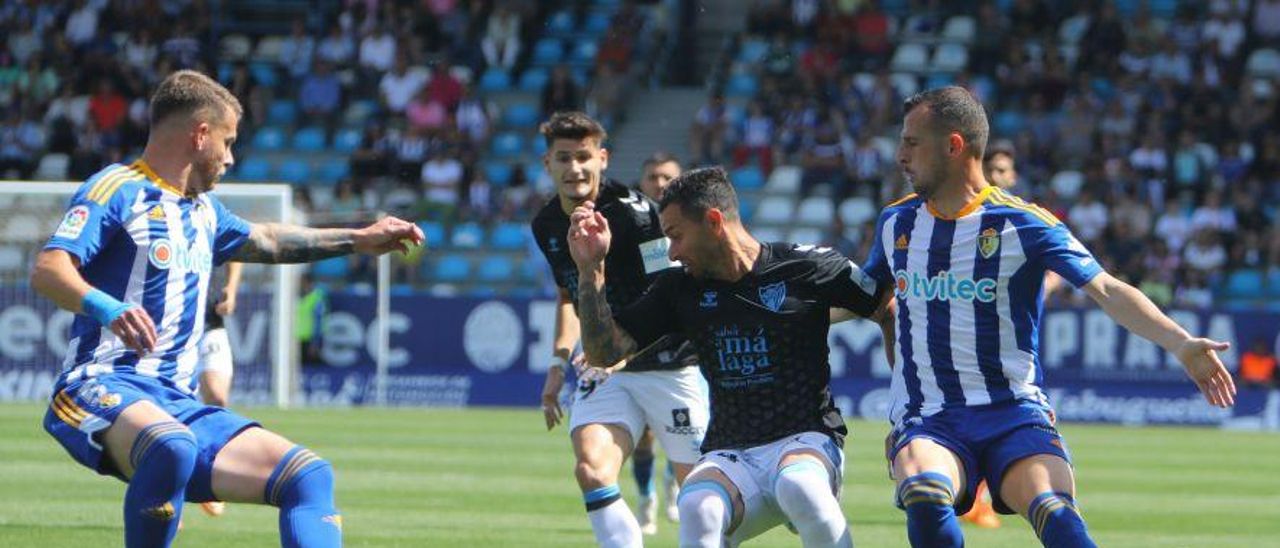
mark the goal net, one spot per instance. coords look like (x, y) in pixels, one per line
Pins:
(34, 332)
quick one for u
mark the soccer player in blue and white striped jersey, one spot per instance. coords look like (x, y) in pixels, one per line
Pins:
(132, 258)
(967, 261)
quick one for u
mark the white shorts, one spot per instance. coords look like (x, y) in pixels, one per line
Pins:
(754, 471)
(215, 352)
(673, 404)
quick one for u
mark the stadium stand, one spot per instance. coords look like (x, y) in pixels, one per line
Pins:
(1154, 108)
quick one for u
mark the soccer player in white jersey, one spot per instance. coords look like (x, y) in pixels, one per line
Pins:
(966, 261)
(132, 259)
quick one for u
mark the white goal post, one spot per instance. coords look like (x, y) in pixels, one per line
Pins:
(34, 335)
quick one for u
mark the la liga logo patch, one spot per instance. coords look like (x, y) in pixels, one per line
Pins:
(73, 222)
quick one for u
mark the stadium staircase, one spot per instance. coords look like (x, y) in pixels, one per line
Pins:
(657, 119)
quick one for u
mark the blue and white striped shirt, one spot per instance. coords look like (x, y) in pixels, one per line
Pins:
(141, 241)
(969, 298)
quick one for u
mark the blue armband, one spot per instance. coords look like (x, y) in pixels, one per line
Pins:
(103, 307)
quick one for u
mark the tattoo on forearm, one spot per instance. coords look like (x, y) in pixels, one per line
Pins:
(602, 340)
(277, 243)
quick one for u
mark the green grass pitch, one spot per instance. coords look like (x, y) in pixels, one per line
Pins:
(485, 477)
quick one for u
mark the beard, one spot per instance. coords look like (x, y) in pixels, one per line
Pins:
(207, 177)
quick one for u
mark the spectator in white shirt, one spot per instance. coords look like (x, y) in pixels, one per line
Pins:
(82, 24)
(1213, 215)
(1205, 253)
(1174, 224)
(337, 48)
(1226, 33)
(399, 86)
(378, 51)
(442, 178)
(1088, 217)
(1171, 62)
(501, 44)
(296, 50)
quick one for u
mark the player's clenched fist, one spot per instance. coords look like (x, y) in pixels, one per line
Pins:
(589, 236)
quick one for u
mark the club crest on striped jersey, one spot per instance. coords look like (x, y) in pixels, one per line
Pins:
(156, 213)
(772, 295)
(988, 242)
(901, 242)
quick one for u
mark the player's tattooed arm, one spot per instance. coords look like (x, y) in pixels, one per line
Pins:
(603, 341)
(280, 243)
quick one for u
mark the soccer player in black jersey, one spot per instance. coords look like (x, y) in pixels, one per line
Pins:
(757, 313)
(660, 388)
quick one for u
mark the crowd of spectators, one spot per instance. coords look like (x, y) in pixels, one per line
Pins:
(75, 75)
(1148, 134)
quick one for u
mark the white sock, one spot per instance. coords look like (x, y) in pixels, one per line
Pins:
(612, 522)
(803, 491)
(704, 515)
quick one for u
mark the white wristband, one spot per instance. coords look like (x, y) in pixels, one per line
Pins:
(558, 363)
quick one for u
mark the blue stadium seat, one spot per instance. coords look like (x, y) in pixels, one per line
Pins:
(435, 234)
(1009, 123)
(747, 178)
(496, 268)
(741, 85)
(507, 145)
(584, 53)
(333, 170)
(534, 79)
(509, 236)
(309, 139)
(746, 206)
(531, 269)
(498, 173)
(561, 24)
(1244, 284)
(253, 169)
(269, 138)
(547, 52)
(533, 170)
(752, 51)
(264, 74)
(1273, 284)
(452, 268)
(347, 140)
(538, 146)
(596, 24)
(334, 268)
(520, 116)
(467, 236)
(295, 171)
(282, 112)
(495, 80)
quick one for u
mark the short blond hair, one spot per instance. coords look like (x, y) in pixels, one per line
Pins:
(190, 93)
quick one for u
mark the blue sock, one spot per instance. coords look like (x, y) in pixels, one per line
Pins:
(931, 518)
(163, 457)
(642, 469)
(302, 487)
(1057, 521)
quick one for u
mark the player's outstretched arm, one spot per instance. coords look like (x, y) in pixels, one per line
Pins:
(281, 243)
(1133, 310)
(603, 342)
(56, 275)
